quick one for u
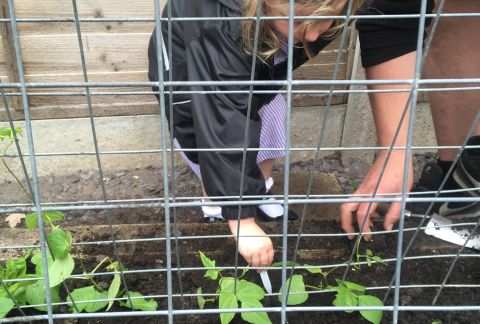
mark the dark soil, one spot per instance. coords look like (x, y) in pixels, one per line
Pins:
(147, 223)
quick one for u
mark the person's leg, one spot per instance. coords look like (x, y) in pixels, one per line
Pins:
(266, 166)
(455, 53)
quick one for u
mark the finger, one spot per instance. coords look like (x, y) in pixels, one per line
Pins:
(364, 212)
(271, 254)
(256, 262)
(264, 261)
(392, 216)
(248, 259)
(346, 214)
(363, 218)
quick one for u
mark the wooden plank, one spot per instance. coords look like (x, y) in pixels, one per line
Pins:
(86, 8)
(60, 28)
(8, 57)
(103, 52)
(3, 66)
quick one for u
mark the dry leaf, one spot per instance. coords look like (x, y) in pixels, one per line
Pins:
(14, 219)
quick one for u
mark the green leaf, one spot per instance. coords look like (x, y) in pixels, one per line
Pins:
(20, 295)
(113, 289)
(249, 291)
(24, 283)
(200, 299)
(87, 294)
(227, 300)
(353, 183)
(139, 303)
(60, 242)
(297, 294)
(35, 294)
(227, 285)
(369, 252)
(257, 317)
(6, 304)
(288, 264)
(31, 220)
(207, 263)
(49, 217)
(353, 286)
(373, 316)
(312, 270)
(15, 268)
(60, 270)
(378, 259)
(37, 261)
(7, 133)
(212, 274)
(345, 297)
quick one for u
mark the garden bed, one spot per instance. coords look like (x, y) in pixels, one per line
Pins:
(147, 223)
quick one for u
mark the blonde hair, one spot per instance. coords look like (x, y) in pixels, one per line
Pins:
(268, 41)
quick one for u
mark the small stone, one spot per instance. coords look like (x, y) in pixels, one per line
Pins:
(86, 176)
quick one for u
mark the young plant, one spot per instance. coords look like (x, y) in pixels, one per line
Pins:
(248, 294)
(350, 294)
(369, 257)
(347, 294)
(60, 267)
(60, 264)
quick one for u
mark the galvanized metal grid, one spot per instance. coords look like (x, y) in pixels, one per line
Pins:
(170, 202)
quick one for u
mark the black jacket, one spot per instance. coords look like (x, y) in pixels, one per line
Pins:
(213, 50)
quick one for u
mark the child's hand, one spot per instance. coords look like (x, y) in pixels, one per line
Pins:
(257, 251)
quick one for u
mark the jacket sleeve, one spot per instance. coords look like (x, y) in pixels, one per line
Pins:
(220, 118)
(385, 39)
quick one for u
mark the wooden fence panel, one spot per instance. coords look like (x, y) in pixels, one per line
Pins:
(114, 51)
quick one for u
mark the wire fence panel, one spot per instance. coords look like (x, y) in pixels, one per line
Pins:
(204, 179)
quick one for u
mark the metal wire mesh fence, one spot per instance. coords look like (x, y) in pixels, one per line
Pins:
(119, 261)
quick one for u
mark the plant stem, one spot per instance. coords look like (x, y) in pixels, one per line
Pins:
(100, 264)
(81, 278)
(89, 277)
(16, 179)
(313, 287)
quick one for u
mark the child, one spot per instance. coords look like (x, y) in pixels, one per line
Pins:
(216, 50)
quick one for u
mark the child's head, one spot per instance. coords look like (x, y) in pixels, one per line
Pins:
(305, 30)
